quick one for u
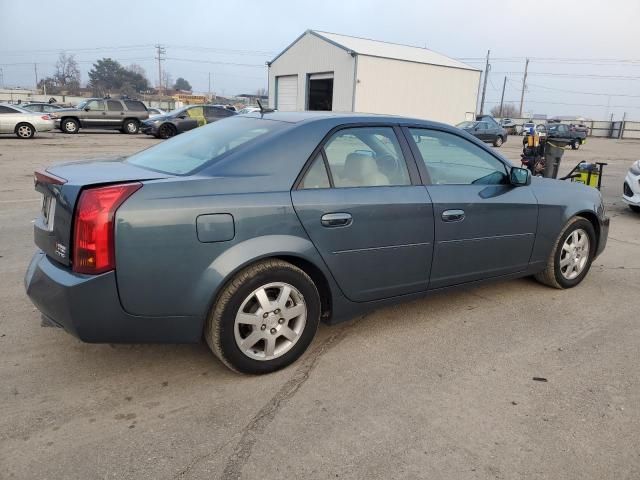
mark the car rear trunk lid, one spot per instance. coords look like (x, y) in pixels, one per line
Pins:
(60, 187)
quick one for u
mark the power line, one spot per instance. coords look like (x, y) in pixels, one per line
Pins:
(562, 90)
(253, 65)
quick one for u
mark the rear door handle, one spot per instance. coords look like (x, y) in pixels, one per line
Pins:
(453, 215)
(336, 220)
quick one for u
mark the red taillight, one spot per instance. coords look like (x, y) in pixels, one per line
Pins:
(45, 117)
(93, 235)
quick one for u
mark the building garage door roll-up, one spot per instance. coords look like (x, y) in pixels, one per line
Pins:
(287, 93)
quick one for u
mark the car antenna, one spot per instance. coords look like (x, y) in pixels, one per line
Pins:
(262, 109)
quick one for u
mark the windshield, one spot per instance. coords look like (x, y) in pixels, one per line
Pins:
(81, 105)
(467, 124)
(203, 146)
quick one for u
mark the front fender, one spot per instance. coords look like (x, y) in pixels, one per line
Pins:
(558, 201)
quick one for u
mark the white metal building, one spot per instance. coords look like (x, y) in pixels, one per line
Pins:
(327, 71)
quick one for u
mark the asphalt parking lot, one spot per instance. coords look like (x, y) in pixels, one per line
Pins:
(437, 388)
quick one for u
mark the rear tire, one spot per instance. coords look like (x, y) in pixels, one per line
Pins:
(166, 131)
(255, 336)
(498, 141)
(575, 145)
(25, 131)
(570, 260)
(69, 125)
(130, 127)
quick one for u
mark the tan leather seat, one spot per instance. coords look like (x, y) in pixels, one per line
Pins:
(361, 171)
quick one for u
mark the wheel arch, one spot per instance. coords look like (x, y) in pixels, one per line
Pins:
(593, 219)
(15, 130)
(298, 251)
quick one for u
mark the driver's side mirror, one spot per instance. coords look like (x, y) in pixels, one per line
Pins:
(520, 176)
(86, 109)
(182, 117)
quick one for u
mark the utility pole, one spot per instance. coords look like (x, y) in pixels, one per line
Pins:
(524, 84)
(35, 69)
(504, 84)
(1, 78)
(209, 86)
(484, 88)
(160, 52)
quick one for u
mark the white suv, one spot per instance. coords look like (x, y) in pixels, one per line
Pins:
(631, 187)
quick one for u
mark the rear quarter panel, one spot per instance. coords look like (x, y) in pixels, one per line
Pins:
(162, 267)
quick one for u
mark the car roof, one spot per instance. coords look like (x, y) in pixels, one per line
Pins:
(342, 117)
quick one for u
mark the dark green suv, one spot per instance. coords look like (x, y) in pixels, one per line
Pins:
(125, 115)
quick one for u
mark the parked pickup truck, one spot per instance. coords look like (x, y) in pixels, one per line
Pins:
(566, 135)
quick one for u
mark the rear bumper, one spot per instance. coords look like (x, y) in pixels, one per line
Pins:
(88, 307)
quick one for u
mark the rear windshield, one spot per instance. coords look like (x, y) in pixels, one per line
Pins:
(194, 150)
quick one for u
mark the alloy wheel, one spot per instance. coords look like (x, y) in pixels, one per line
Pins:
(270, 321)
(25, 131)
(575, 254)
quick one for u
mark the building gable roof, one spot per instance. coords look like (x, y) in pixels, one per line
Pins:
(376, 48)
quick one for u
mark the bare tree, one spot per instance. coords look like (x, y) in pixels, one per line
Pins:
(67, 75)
(167, 80)
(508, 110)
(135, 68)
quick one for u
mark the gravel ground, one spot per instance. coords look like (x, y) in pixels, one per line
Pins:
(437, 388)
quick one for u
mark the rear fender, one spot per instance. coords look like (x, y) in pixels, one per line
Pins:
(243, 254)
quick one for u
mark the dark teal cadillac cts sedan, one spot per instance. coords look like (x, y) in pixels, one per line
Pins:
(250, 231)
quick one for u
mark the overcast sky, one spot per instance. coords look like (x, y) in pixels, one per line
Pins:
(584, 53)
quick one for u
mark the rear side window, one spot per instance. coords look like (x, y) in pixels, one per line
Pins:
(316, 176)
(452, 160)
(114, 106)
(4, 109)
(366, 157)
(135, 106)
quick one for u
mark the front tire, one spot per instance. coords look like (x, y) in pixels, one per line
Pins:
(635, 208)
(571, 257)
(264, 318)
(69, 125)
(25, 131)
(575, 145)
(166, 131)
(498, 141)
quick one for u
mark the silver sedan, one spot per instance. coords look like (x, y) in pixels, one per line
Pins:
(22, 122)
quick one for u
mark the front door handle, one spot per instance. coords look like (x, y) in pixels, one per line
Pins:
(453, 215)
(336, 220)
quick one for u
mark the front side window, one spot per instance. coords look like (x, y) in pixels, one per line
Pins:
(452, 160)
(95, 105)
(366, 157)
